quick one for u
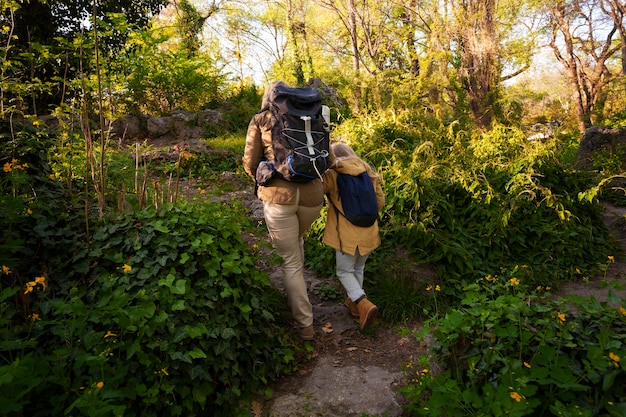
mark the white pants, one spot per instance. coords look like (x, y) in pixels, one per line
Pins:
(286, 225)
(350, 272)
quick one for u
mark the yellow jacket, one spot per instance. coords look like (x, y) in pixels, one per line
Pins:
(339, 233)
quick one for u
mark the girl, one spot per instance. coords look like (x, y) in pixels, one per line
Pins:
(352, 244)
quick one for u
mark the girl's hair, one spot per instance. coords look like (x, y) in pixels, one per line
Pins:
(341, 150)
(265, 101)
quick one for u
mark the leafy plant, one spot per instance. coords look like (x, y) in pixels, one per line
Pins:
(160, 298)
(327, 292)
(516, 350)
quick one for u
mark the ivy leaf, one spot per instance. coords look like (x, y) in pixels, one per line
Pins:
(179, 288)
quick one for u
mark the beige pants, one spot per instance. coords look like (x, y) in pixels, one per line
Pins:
(286, 225)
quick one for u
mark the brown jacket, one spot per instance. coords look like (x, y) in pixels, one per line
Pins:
(258, 148)
(339, 233)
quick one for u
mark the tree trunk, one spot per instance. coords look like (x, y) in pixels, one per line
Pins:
(409, 26)
(586, 80)
(293, 27)
(479, 58)
(356, 58)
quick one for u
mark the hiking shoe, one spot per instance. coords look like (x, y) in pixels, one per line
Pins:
(306, 333)
(354, 310)
(367, 313)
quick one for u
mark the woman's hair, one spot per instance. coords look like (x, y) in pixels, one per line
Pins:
(341, 150)
(265, 101)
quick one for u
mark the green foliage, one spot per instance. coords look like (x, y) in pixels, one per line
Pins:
(328, 292)
(160, 81)
(37, 218)
(402, 289)
(473, 204)
(610, 161)
(239, 106)
(234, 142)
(511, 349)
(159, 298)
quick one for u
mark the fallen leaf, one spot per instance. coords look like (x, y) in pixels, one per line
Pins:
(327, 328)
(403, 341)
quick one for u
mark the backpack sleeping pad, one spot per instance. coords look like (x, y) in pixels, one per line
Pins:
(300, 133)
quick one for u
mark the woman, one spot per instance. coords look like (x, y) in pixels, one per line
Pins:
(289, 209)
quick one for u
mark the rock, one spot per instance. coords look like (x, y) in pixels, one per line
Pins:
(159, 126)
(600, 139)
(130, 128)
(177, 126)
(350, 391)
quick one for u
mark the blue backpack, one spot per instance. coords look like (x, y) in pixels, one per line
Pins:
(358, 199)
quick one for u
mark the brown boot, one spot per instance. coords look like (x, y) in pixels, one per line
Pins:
(367, 313)
(354, 310)
(306, 333)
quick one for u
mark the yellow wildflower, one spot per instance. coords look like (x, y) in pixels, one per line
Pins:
(561, 316)
(614, 357)
(100, 384)
(109, 334)
(29, 287)
(126, 268)
(539, 288)
(52, 177)
(7, 167)
(578, 270)
(526, 364)
(489, 278)
(516, 396)
(164, 370)
(42, 281)
(548, 288)
(611, 258)
(430, 287)
(514, 281)
(34, 317)
(621, 309)
(6, 270)
(424, 371)
(437, 288)
(29, 211)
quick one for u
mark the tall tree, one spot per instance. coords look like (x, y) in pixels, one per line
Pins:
(582, 39)
(41, 24)
(190, 23)
(616, 10)
(479, 69)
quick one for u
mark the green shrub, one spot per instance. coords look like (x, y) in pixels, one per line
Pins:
(516, 350)
(167, 316)
(472, 203)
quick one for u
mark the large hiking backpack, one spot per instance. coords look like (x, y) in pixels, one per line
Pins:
(358, 199)
(300, 133)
